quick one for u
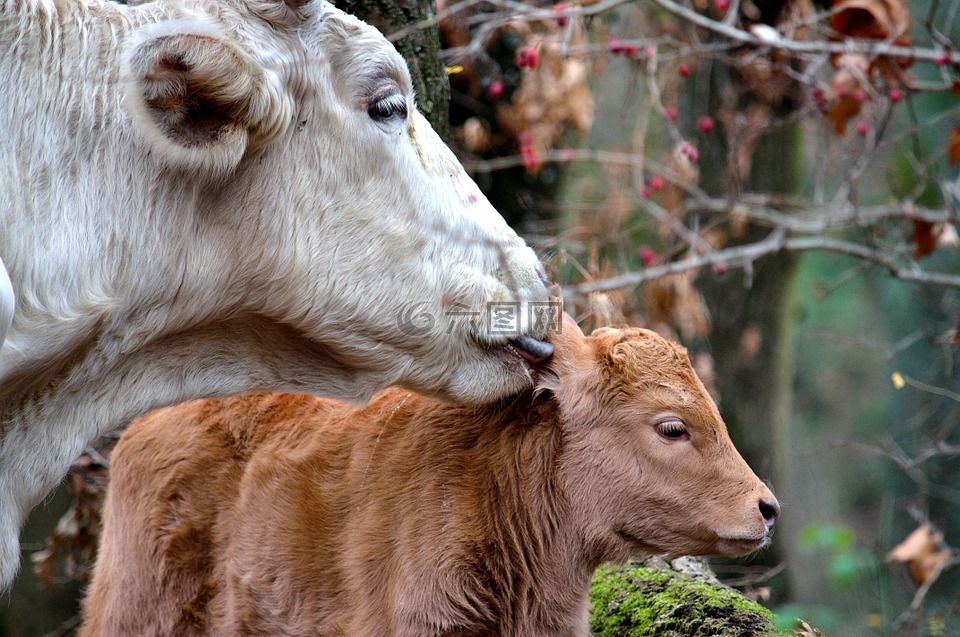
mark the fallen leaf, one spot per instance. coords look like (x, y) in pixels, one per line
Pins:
(923, 551)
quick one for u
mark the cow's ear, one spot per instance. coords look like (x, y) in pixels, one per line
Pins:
(200, 101)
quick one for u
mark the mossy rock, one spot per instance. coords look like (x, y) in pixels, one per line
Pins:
(657, 599)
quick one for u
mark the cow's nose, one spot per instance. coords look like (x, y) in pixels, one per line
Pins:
(770, 510)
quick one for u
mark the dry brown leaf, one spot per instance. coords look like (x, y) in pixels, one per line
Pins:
(604, 308)
(842, 94)
(923, 237)
(681, 167)
(474, 135)
(744, 130)
(553, 97)
(674, 300)
(887, 20)
(874, 19)
(953, 145)
(923, 551)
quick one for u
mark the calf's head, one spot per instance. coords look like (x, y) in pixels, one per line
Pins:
(647, 462)
(354, 224)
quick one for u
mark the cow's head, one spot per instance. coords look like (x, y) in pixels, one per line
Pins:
(648, 462)
(343, 217)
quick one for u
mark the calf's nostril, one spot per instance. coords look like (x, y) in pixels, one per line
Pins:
(770, 510)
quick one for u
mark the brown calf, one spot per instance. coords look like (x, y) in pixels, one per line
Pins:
(292, 515)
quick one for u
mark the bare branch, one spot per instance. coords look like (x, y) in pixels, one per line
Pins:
(871, 48)
(745, 255)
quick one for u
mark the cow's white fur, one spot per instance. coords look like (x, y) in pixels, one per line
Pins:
(152, 263)
(7, 302)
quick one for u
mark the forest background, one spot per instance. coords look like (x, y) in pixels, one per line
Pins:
(773, 184)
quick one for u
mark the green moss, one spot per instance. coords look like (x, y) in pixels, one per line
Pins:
(653, 600)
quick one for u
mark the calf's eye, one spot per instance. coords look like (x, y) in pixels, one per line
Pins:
(673, 430)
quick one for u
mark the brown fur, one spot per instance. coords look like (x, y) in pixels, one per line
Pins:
(272, 514)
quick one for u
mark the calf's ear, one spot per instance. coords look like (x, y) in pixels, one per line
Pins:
(200, 101)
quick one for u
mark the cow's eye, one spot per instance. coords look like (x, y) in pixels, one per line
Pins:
(673, 430)
(387, 105)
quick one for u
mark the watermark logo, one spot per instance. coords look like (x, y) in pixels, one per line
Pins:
(504, 319)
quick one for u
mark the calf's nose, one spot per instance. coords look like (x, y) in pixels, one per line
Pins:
(770, 510)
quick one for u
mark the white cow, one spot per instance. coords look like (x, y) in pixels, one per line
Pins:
(199, 198)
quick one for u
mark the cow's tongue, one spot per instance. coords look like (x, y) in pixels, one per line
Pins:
(532, 350)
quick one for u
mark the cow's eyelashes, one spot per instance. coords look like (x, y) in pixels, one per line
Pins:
(387, 105)
(673, 430)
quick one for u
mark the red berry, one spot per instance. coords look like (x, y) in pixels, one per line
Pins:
(670, 112)
(722, 5)
(819, 98)
(684, 70)
(561, 19)
(942, 58)
(495, 89)
(615, 46)
(895, 95)
(863, 127)
(720, 267)
(649, 51)
(647, 255)
(527, 57)
(646, 192)
(566, 153)
(657, 183)
(860, 95)
(705, 123)
(690, 151)
(629, 50)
